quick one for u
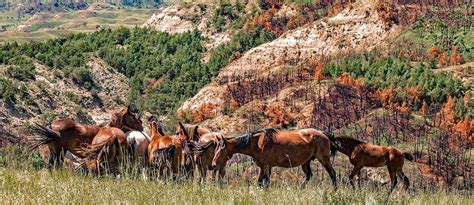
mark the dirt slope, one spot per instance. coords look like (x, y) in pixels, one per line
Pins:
(53, 96)
(355, 29)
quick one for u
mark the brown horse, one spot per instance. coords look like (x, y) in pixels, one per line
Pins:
(69, 135)
(203, 151)
(106, 151)
(362, 154)
(165, 152)
(270, 148)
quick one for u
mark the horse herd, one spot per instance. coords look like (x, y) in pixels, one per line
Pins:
(103, 147)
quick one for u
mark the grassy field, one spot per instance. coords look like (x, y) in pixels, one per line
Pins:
(50, 25)
(61, 186)
(23, 181)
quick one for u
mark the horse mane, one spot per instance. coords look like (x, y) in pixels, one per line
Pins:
(116, 119)
(350, 140)
(243, 141)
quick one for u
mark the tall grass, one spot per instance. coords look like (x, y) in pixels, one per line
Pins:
(21, 182)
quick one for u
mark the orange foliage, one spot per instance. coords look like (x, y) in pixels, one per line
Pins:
(155, 83)
(404, 108)
(424, 108)
(345, 79)
(387, 96)
(318, 73)
(440, 56)
(277, 115)
(466, 128)
(443, 59)
(334, 10)
(414, 93)
(447, 112)
(204, 112)
(233, 103)
(456, 57)
(466, 99)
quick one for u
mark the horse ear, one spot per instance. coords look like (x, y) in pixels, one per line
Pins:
(183, 130)
(225, 140)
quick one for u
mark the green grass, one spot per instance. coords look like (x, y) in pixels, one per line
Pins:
(23, 181)
(70, 22)
(29, 186)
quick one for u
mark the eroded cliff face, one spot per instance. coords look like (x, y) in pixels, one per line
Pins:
(179, 18)
(355, 29)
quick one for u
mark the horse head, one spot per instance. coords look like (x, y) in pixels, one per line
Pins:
(131, 118)
(187, 132)
(221, 151)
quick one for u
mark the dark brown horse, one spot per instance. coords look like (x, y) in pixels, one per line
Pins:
(106, 151)
(362, 154)
(270, 148)
(69, 135)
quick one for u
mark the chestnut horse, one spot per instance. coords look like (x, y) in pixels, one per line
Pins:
(165, 152)
(69, 135)
(270, 147)
(362, 154)
(106, 151)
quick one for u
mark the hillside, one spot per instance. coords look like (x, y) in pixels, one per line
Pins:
(356, 29)
(51, 94)
(43, 24)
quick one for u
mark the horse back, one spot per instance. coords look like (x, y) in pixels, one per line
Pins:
(302, 136)
(62, 125)
(209, 137)
(108, 132)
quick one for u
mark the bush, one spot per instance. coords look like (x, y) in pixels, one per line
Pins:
(7, 90)
(82, 76)
(21, 68)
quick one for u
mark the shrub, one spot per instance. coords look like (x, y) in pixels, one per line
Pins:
(21, 68)
(7, 90)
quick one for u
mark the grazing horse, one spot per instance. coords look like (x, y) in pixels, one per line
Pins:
(362, 154)
(165, 152)
(270, 148)
(204, 153)
(138, 145)
(106, 151)
(69, 135)
(201, 144)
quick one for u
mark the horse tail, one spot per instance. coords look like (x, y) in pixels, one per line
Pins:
(46, 136)
(96, 150)
(408, 156)
(335, 144)
(164, 156)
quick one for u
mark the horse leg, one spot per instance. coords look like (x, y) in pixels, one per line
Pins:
(393, 177)
(266, 180)
(261, 176)
(359, 179)
(202, 170)
(325, 160)
(221, 174)
(354, 171)
(406, 181)
(55, 156)
(307, 171)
